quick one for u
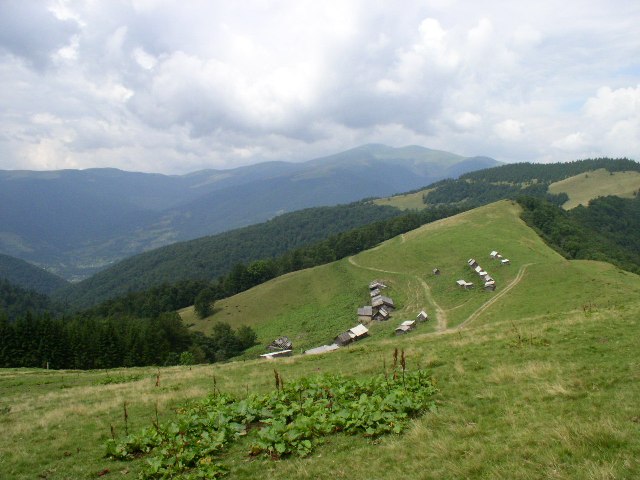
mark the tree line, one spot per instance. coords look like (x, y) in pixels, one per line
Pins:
(42, 341)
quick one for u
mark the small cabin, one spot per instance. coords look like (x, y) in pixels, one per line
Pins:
(352, 335)
(478, 269)
(472, 263)
(493, 254)
(464, 284)
(280, 343)
(382, 315)
(380, 301)
(490, 285)
(365, 314)
(376, 284)
(505, 261)
(374, 293)
(436, 271)
(422, 316)
(406, 327)
(482, 273)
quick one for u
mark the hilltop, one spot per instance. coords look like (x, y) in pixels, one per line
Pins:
(536, 379)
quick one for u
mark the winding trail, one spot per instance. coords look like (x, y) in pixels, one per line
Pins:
(494, 299)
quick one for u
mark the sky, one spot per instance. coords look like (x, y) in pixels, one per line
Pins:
(172, 87)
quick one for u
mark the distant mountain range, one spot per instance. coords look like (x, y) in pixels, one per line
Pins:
(77, 222)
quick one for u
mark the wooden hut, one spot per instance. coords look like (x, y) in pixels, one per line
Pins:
(422, 316)
(280, 343)
(365, 314)
(406, 327)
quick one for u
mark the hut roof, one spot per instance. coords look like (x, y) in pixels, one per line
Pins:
(359, 330)
(283, 343)
(366, 311)
(422, 315)
(409, 323)
(462, 283)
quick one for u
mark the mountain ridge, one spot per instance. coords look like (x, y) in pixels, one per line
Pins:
(77, 222)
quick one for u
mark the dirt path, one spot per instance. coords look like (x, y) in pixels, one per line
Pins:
(494, 299)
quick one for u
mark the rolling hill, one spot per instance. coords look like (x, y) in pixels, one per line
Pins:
(78, 222)
(313, 306)
(538, 379)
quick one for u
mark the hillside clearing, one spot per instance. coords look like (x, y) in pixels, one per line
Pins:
(599, 183)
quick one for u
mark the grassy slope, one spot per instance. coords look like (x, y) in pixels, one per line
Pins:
(408, 201)
(584, 187)
(543, 384)
(313, 306)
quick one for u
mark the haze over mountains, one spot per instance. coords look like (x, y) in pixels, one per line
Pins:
(77, 222)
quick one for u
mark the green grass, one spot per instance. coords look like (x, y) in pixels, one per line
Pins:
(587, 186)
(543, 383)
(408, 201)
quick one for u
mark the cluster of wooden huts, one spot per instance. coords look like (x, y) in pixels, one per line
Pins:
(379, 310)
(381, 305)
(489, 282)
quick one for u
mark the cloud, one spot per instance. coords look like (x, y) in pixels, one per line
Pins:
(509, 129)
(157, 86)
(33, 33)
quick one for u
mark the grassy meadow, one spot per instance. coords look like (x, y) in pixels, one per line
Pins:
(539, 379)
(599, 183)
(407, 201)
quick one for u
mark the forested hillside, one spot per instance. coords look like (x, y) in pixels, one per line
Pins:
(16, 301)
(89, 343)
(28, 276)
(209, 257)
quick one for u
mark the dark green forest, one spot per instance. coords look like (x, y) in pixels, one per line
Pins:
(90, 343)
(15, 301)
(25, 275)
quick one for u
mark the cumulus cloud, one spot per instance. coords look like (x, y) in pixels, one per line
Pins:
(160, 86)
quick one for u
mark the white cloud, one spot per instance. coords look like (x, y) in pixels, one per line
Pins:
(509, 129)
(149, 85)
(574, 142)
